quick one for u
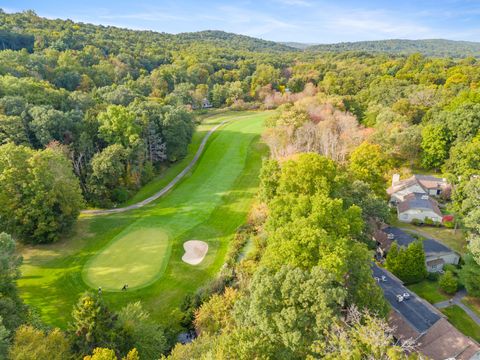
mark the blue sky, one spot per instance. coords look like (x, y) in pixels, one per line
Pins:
(308, 21)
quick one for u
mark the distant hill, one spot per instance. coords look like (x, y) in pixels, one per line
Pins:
(297, 45)
(430, 47)
(235, 40)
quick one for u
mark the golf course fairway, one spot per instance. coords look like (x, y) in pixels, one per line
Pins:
(144, 247)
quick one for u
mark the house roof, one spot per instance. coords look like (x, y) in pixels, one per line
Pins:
(419, 315)
(430, 246)
(444, 341)
(427, 182)
(435, 262)
(418, 201)
(430, 182)
(403, 184)
(415, 319)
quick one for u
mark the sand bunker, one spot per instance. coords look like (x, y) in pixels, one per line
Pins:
(195, 251)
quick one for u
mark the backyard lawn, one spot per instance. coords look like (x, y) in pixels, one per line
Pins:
(144, 247)
(473, 303)
(462, 321)
(455, 239)
(429, 290)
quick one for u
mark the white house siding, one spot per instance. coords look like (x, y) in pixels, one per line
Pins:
(420, 214)
(400, 195)
(450, 258)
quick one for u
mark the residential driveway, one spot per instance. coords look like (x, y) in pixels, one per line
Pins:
(457, 300)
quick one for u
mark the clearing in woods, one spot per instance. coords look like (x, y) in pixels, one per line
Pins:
(143, 248)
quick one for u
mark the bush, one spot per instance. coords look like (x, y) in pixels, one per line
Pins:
(449, 224)
(448, 282)
(417, 222)
(450, 267)
(428, 221)
(433, 276)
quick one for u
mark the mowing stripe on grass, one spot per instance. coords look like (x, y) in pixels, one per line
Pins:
(208, 204)
(124, 261)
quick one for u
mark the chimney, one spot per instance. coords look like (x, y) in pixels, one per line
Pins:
(395, 179)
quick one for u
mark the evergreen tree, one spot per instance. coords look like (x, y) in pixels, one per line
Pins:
(470, 275)
(94, 325)
(408, 264)
(12, 309)
(448, 282)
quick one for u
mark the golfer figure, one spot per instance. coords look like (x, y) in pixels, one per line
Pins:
(125, 287)
(99, 290)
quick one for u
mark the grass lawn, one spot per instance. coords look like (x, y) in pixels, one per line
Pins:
(429, 290)
(473, 303)
(462, 321)
(143, 247)
(455, 239)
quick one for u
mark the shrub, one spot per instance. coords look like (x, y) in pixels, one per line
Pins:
(448, 282)
(433, 276)
(417, 222)
(428, 221)
(449, 224)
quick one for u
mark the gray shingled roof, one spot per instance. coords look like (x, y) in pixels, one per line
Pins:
(417, 201)
(430, 246)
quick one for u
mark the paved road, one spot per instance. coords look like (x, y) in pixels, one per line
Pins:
(168, 187)
(457, 300)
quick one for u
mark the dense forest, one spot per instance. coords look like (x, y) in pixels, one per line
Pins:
(430, 47)
(89, 114)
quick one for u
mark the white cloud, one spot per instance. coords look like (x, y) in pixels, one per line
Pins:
(302, 3)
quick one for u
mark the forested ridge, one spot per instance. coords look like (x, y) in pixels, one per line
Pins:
(91, 113)
(428, 47)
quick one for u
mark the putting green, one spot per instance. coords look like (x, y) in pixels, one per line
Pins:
(134, 258)
(144, 247)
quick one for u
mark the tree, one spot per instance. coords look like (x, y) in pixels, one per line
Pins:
(101, 354)
(12, 129)
(95, 326)
(177, 131)
(470, 275)
(108, 174)
(108, 354)
(269, 178)
(41, 196)
(464, 161)
(368, 163)
(119, 125)
(307, 174)
(12, 310)
(290, 308)
(4, 340)
(49, 124)
(448, 282)
(30, 343)
(436, 142)
(149, 338)
(363, 336)
(214, 315)
(407, 263)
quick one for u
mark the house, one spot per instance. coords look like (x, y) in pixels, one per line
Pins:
(436, 253)
(420, 184)
(206, 104)
(419, 207)
(413, 318)
(414, 197)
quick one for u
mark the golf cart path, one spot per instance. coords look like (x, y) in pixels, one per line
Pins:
(457, 300)
(164, 190)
